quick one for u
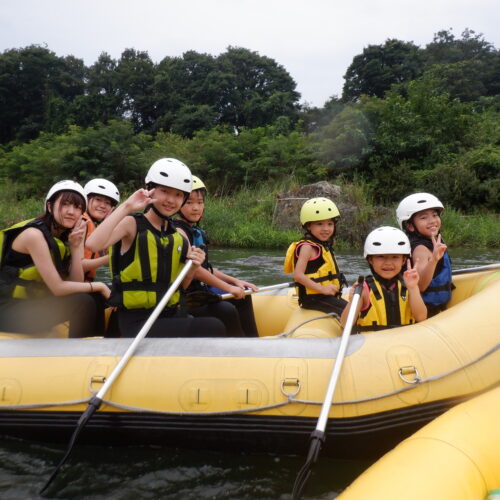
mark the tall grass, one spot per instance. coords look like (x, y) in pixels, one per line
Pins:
(15, 208)
(245, 219)
(470, 231)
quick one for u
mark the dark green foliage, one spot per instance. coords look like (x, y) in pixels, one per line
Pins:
(40, 91)
(111, 151)
(374, 71)
(410, 119)
(37, 89)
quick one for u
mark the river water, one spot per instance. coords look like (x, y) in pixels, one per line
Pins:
(129, 473)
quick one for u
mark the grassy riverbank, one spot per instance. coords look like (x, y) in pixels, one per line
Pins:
(245, 219)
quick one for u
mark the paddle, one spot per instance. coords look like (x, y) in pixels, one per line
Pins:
(468, 270)
(96, 400)
(200, 298)
(318, 435)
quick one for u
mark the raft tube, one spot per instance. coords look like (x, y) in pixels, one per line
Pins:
(260, 394)
(455, 457)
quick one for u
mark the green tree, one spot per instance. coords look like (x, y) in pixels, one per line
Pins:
(379, 67)
(415, 133)
(102, 100)
(112, 151)
(445, 48)
(255, 90)
(135, 77)
(467, 67)
(37, 89)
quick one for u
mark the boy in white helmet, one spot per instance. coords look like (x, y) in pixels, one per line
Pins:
(390, 298)
(317, 276)
(102, 198)
(419, 216)
(41, 274)
(147, 254)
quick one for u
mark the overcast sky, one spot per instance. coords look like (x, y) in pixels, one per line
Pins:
(315, 40)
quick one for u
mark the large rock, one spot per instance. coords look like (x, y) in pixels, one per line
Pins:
(357, 218)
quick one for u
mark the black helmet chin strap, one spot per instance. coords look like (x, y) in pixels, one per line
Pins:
(164, 218)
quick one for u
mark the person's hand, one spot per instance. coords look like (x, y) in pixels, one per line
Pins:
(77, 234)
(439, 248)
(330, 290)
(365, 294)
(410, 276)
(237, 291)
(197, 255)
(102, 288)
(139, 200)
(245, 284)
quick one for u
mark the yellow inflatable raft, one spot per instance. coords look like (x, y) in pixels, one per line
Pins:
(260, 394)
(455, 457)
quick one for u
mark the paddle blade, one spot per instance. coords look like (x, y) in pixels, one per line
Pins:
(315, 443)
(94, 404)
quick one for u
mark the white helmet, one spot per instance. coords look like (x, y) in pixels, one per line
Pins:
(67, 185)
(387, 240)
(171, 173)
(416, 203)
(102, 187)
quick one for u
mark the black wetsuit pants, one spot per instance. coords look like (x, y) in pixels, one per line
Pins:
(173, 325)
(236, 314)
(324, 303)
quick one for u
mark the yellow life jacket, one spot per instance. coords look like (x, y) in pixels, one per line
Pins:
(323, 269)
(24, 281)
(376, 317)
(143, 274)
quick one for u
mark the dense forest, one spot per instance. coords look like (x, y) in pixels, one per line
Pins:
(409, 118)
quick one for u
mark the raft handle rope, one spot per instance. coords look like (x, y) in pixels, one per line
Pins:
(290, 332)
(290, 398)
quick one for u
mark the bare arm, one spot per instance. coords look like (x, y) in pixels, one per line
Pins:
(207, 277)
(363, 303)
(234, 281)
(32, 242)
(427, 261)
(75, 242)
(417, 305)
(117, 226)
(90, 264)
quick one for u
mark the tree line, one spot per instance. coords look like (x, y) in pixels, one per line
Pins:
(408, 118)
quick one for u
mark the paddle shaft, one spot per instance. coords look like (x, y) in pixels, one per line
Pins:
(95, 402)
(144, 330)
(318, 435)
(249, 291)
(351, 318)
